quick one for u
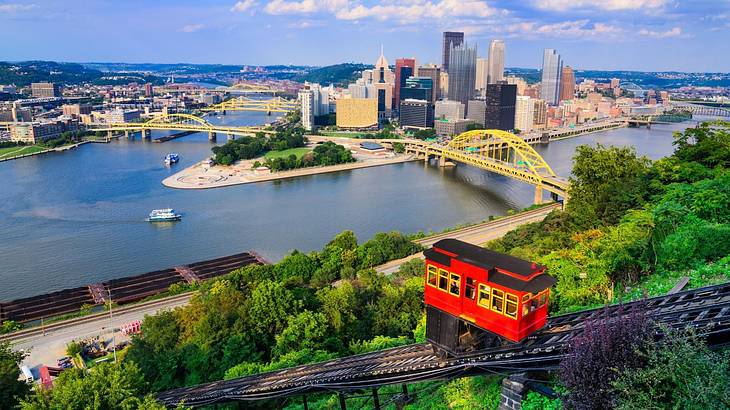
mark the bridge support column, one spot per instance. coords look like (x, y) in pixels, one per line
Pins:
(538, 194)
(211, 136)
(442, 161)
(376, 399)
(126, 134)
(343, 404)
(513, 389)
(109, 134)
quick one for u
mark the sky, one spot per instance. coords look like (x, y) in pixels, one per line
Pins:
(645, 35)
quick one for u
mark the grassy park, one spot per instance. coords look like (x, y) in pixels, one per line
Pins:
(299, 152)
(10, 152)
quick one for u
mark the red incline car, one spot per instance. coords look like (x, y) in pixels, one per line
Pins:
(476, 298)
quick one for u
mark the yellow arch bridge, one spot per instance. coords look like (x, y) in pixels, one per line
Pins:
(500, 152)
(180, 122)
(276, 104)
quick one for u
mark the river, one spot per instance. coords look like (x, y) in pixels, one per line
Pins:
(78, 217)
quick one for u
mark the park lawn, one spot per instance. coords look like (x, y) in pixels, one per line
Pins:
(299, 152)
(15, 151)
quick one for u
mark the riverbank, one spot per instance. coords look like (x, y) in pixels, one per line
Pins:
(36, 150)
(203, 176)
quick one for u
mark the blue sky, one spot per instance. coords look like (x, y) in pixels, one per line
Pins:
(655, 35)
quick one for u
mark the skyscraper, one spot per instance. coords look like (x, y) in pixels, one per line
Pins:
(500, 111)
(567, 83)
(382, 79)
(306, 100)
(451, 39)
(495, 73)
(524, 108)
(418, 88)
(551, 70)
(404, 68)
(482, 74)
(462, 73)
(434, 73)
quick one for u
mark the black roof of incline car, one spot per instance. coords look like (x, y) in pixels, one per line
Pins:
(489, 260)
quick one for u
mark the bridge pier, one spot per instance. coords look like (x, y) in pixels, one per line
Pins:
(442, 161)
(126, 134)
(538, 195)
(211, 136)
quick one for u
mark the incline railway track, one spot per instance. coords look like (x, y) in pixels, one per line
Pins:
(705, 309)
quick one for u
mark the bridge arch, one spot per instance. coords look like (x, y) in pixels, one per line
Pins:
(177, 118)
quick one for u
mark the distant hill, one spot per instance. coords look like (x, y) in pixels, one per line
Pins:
(26, 72)
(338, 74)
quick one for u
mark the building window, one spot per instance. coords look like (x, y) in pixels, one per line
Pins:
(497, 301)
(455, 284)
(511, 306)
(483, 295)
(470, 289)
(433, 276)
(443, 280)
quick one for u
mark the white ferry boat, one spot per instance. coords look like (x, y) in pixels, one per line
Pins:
(171, 158)
(164, 215)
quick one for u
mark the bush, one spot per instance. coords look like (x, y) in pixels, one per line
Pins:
(680, 373)
(594, 359)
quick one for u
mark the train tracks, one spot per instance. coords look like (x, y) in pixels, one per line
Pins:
(706, 309)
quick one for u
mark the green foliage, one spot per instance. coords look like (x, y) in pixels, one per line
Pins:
(606, 182)
(334, 74)
(399, 148)
(377, 343)
(11, 389)
(106, 386)
(465, 393)
(73, 348)
(306, 330)
(680, 373)
(10, 326)
(327, 153)
(427, 133)
(536, 401)
(251, 147)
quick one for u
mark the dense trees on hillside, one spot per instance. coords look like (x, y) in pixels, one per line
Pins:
(11, 388)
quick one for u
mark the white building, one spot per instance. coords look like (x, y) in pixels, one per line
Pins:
(524, 113)
(495, 72)
(482, 74)
(449, 110)
(306, 101)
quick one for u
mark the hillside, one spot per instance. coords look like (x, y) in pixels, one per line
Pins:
(26, 72)
(338, 74)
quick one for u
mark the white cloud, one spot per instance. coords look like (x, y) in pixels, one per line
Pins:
(673, 32)
(243, 5)
(190, 28)
(15, 7)
(613, 5)
(404, 11)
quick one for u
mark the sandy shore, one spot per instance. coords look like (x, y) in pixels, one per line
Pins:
(203, 176)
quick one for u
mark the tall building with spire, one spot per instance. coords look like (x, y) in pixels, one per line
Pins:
(495, 72)
(383, 81)
(462, 73)
(552, 67)
(567, 84)
(451, 39)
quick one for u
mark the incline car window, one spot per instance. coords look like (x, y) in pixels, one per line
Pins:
(454, 284)
(483, 295)
(497, 300)
(443, 280)
(469, 290)
(511, 306)
(433, 276)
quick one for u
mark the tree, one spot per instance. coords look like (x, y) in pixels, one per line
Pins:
(105, 386)
(11, 388)
(306, 330)
(269, 307)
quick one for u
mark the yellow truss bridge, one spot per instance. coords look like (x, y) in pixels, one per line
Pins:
(180, 122)
(276, 104)
(500, 152)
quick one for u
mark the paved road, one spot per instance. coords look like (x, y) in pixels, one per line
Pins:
(46, 349)
(476, 234)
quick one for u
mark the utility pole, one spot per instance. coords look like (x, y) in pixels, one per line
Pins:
(111, 326)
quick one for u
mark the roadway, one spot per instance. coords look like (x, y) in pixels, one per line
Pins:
(477, 234)
(46, 347)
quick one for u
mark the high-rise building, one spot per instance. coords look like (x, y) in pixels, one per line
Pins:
(148, 91)
(75, 110)
(495, 73)
(523, 113)
(416, 113)
(482, 74)
(306, 101)
(477, 111)
(615, 82)
(45, 90)
(519, 82)
(449, 110)
(382, 79)
(451, 39)
(404, 68)
(462, 73)
(551, 69)
(500, 110)
(539, 112)
(418, 88)
(567, 84)
(357, 113)
(434, 73)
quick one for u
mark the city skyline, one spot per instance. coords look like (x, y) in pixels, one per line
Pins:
(608, 35)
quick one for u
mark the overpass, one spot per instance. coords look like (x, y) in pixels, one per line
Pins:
(179, 122)
(276, 104)
(496, 151)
